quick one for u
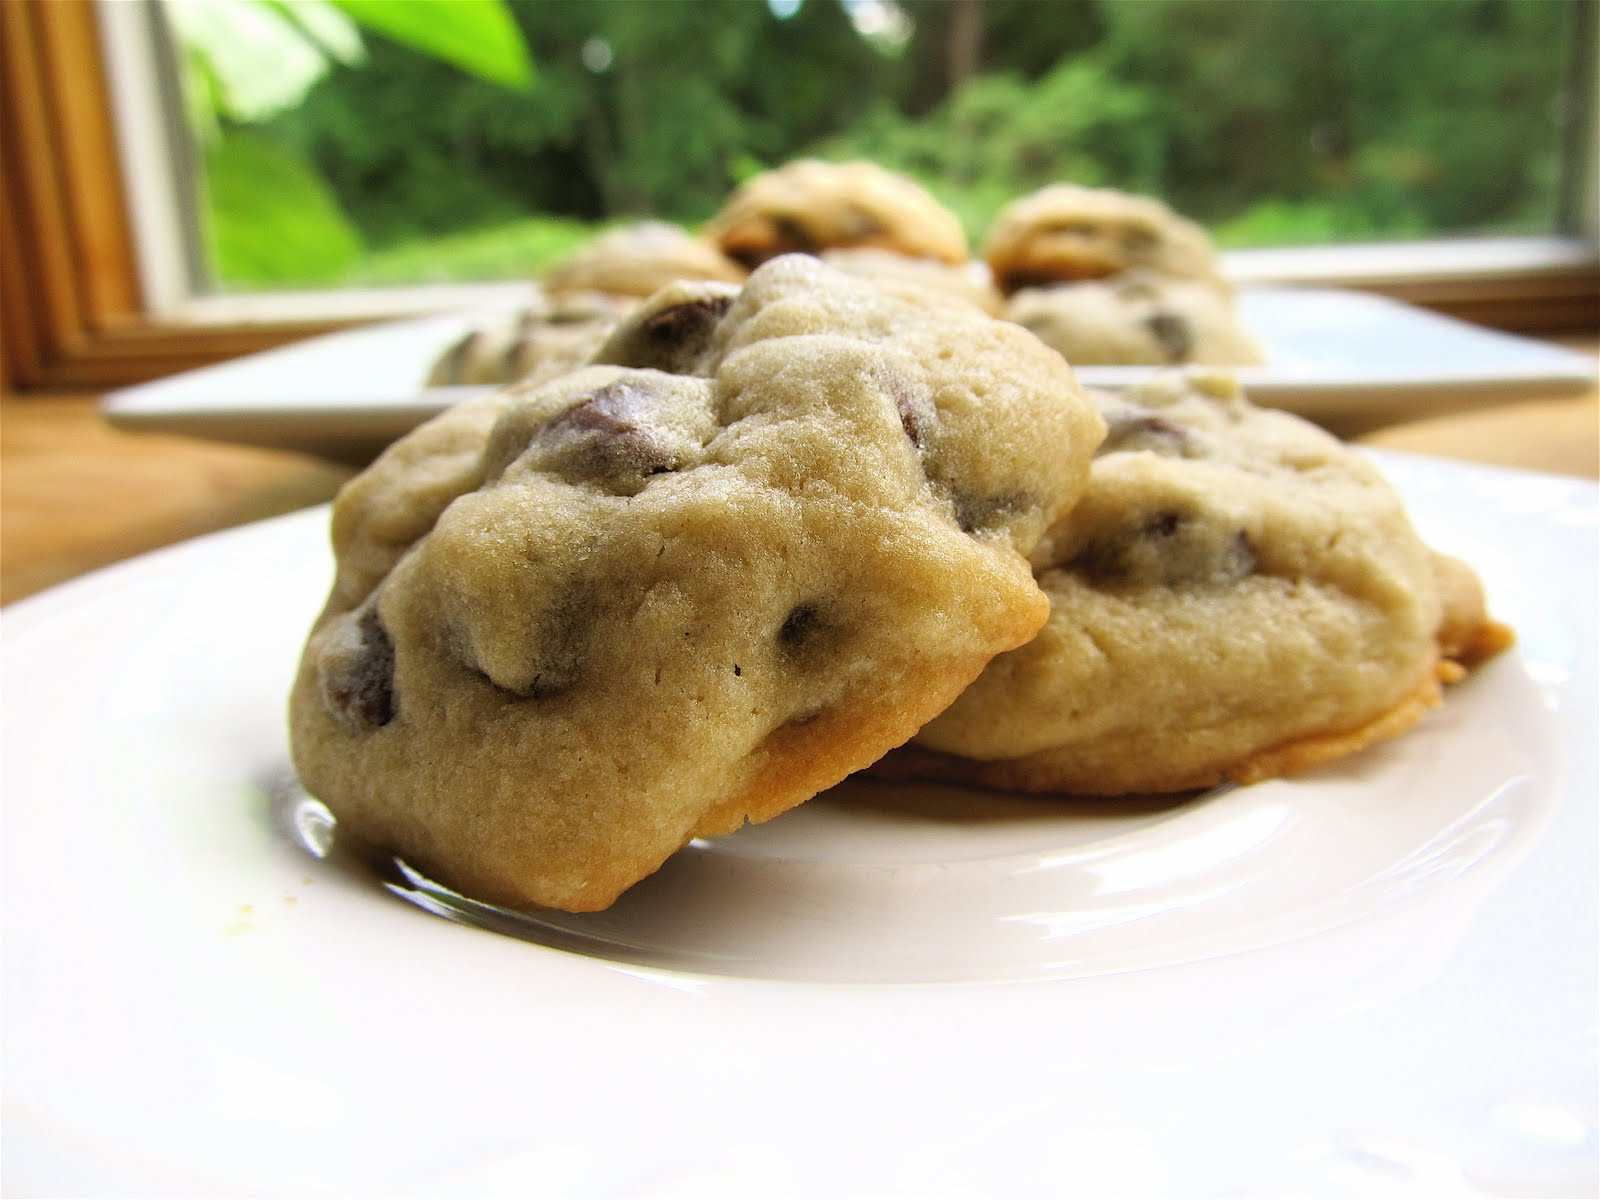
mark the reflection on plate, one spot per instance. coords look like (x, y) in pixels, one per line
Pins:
(1380, 975)
(1349, 359)
(879, 883)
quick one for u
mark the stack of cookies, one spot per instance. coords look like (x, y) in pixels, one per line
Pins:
(1110, 278)
(1101, 276)
(762, 539)
(768, 531)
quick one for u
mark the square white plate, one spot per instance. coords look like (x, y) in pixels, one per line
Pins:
(1343, 358)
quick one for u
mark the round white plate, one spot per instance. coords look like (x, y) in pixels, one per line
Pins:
(1371, 979)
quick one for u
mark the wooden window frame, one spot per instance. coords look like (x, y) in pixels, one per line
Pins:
(71, 307)
(74, 318)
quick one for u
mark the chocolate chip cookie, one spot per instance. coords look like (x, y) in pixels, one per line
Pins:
(764, 538)
(637, 259)
(968, 281)
(808, 206)
(1066, 232)
(537, 341)
(1137, 318)
(1237, 595)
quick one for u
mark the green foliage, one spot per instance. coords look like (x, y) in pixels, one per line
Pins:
(476, 36)
(1000, 136)
(1272, 121)
(247, 59)
(521, 249)
(273, 220)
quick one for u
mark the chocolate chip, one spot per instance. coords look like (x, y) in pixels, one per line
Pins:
(911, 422)
(1085, 229)
(1172, 334)
(1102, 561)
(859, 225)
(1139, 241)
(801, 626)
(611, 426)
(1015, 281)
(748, 257)
(1132, 427)
(1165, 548)
(1161, 525)
(977, 514)
(356, 670)
(667, 336)
(792, 237)
(605, 438)
(613, 411)
(917, 412)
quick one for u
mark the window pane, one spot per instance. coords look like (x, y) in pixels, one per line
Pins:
(337, 147)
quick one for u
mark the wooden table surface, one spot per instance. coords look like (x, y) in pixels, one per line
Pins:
(76, 494)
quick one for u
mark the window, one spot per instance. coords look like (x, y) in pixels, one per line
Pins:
(1446, 150)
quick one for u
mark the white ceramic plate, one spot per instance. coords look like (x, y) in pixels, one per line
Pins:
(1376, 979)
(1348, 359)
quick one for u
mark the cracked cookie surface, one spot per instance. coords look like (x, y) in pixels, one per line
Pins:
(762, 539)
(1236, 595)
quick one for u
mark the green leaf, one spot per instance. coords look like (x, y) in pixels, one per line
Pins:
(257, 56)
(324, 24)
(272, 219)
(478, 36)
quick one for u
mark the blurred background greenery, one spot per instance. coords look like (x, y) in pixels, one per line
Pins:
(401, 141)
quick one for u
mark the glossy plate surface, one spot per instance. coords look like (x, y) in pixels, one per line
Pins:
(1346, 358)
(1378, 978)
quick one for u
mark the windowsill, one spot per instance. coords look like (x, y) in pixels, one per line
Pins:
(342, 305)
(1462, 261)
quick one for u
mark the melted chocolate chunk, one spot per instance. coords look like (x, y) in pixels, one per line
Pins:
(357, 672)
(605, 439)
(800, 627)
(1102, 562)
(976, 514)
(1139, 241)
(915, 406)
(1165, 548)
(1161, 525)
(792, 237)
(747, 257)
(1134, 427)
(859, 225)
(1015, 281)
(1172, 334)
(668, 340)
(1084, 229)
